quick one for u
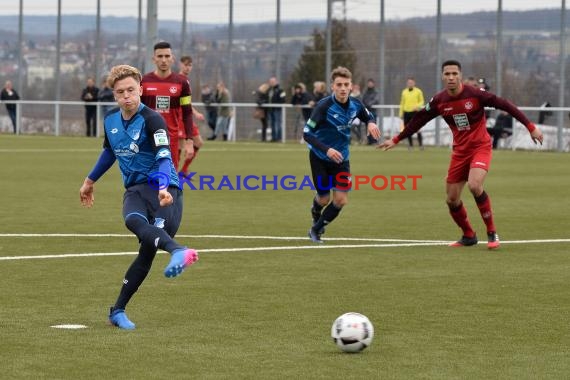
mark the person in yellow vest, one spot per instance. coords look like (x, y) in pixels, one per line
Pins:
(411, 101)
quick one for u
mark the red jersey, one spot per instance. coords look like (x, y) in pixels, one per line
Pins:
(172, 98)
(464, 113)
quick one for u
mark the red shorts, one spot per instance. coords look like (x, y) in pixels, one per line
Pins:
(195, 131)
(462, 162)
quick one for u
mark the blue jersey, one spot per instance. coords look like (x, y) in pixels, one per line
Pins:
(330, 123)
(138, 144)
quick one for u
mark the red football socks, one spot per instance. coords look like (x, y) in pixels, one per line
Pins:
(459, 215)
(484, 203)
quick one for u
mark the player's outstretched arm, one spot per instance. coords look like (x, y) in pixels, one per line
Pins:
(86, 193)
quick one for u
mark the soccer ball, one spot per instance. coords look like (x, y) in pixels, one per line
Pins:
(352, 332)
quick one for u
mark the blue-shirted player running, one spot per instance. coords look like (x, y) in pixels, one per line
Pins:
(327, 133)
(137, 138)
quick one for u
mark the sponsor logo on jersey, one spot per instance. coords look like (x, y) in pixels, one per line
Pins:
(134, 147)
(114, 130)
(151, 88)
(462, 121)
(160, 138)
(162, 103)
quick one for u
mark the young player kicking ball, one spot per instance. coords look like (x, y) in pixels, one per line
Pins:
(137, 137)
(327, 133)
(463, 109)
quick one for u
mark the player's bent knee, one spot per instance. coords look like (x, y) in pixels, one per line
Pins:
(453, 202)
(475, 188)
(340, 202)
(135, 222)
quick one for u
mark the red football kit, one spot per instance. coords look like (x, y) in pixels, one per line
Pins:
(171, 97)
(464, 113)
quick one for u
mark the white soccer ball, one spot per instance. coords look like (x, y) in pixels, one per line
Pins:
(352, 332)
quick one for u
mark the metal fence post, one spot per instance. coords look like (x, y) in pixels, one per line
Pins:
(56, 118)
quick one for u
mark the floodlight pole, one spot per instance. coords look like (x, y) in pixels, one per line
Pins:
(278, 43)
(151, 31)
(328, 64)
(438, 68)
(499, 50)
(561, 88)
(183, 32)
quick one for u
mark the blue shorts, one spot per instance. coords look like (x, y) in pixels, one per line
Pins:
(142, 199)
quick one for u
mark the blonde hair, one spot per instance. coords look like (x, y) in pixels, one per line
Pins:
(120, 72)
(319, 86)
(341, 72)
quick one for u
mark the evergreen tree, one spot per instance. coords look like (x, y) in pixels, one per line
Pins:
(312, 62)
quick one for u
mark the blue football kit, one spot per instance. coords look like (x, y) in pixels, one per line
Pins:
(330, 123)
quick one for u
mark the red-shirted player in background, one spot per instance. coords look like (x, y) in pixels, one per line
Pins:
(185, 70)
(169, 93)
(463, 109)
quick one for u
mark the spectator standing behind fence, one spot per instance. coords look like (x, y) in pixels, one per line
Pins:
(356, 128)
(371, 98)
(503, 127)
(8, 93)
(224, 112)
(411, 101)
(208, 97)
(261, 96)
(276, 96)
(90, 94)
(319, 92)
(105, 95)
(300, 100)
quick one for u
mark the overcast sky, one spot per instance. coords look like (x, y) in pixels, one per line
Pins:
(216, 11)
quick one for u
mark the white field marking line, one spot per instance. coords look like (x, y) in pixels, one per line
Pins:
(286, 248)
(221, 250)
(84, 150)
(253, 237)
(43, 150)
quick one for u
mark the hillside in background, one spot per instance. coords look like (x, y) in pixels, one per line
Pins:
(536, 20)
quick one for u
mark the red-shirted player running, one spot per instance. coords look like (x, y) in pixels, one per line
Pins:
(169, 93)
(185, 157)
(463, 109)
